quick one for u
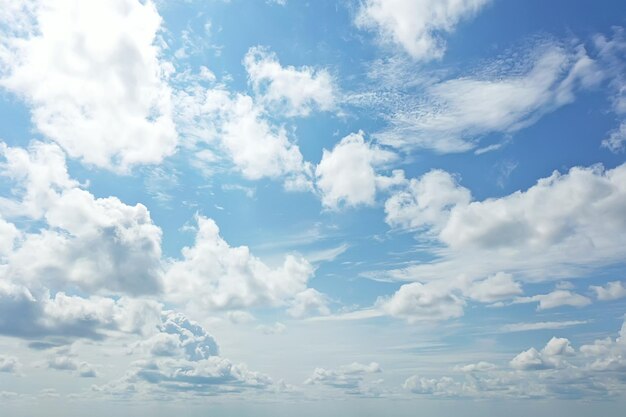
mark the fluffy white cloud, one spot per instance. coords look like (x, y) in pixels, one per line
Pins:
(308, 302)
(353, 378)
(455, 113)
(558, 370)
(444, 386)
(233, 126)
(416, 25)
(29, 314)
(423, 302)
(560, 227)
(64, 362)
(542, 325)
(551, 356)
(214, 275)
(295, 91)
(556, 299)
(616, 142)
(494, 288)
(426, 201)
(95, 244)
(9, 364)
(180, 336)
(346, 176)
(613, 290)
(92, 76)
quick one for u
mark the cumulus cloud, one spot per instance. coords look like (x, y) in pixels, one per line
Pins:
(455, 113)
(558, 370)
(29, 315)
(233, 127)
(346, 176)
(425, 202)
(296, 91)
(9, 364)
(416, 26)
(423, 302)
(353, 378)
(93, 78)
(560, 227)
(556, 299)
(214, 275)
(183, 359)
(95, 244)
(551, 356)
(613, 290)
(309, 302)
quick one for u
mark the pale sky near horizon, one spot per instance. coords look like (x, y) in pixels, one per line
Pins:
(342, 208)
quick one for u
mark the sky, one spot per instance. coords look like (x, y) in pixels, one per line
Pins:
(338, 208)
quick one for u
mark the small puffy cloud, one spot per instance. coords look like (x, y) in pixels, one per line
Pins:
(214, 275)
(426, 201)
(234, 127)
(556, 299)
(551, 356)
(309, 302)
(296, 91)
(616, 142)
(542, 325)
(9, 364)
(92, 76)
(346, 176)
(177, 332)
(481, 366)
(441, 387)
(494, 288)
(353, 378)
(423, 302)
(613, 290)
(416, 25)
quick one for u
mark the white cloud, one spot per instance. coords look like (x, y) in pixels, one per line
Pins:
(560, 227)
(481, 366)
(423, 302)
(542, 325)
(234, 126)
(92, 76)
(494, 288)
(29, 314)
(9, 364)
(556, 299)
(309, 302)
(425, 202)
(613, 290)
(294, 91)
(616, 142)
(416, 25)
(551, 356)
(452, 115)
(352, 378)
(96, 244)
(214, 275)
(346, 176)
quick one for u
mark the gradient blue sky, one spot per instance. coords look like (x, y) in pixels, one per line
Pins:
(343, 208)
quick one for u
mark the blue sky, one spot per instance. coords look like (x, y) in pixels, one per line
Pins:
(271, 207)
